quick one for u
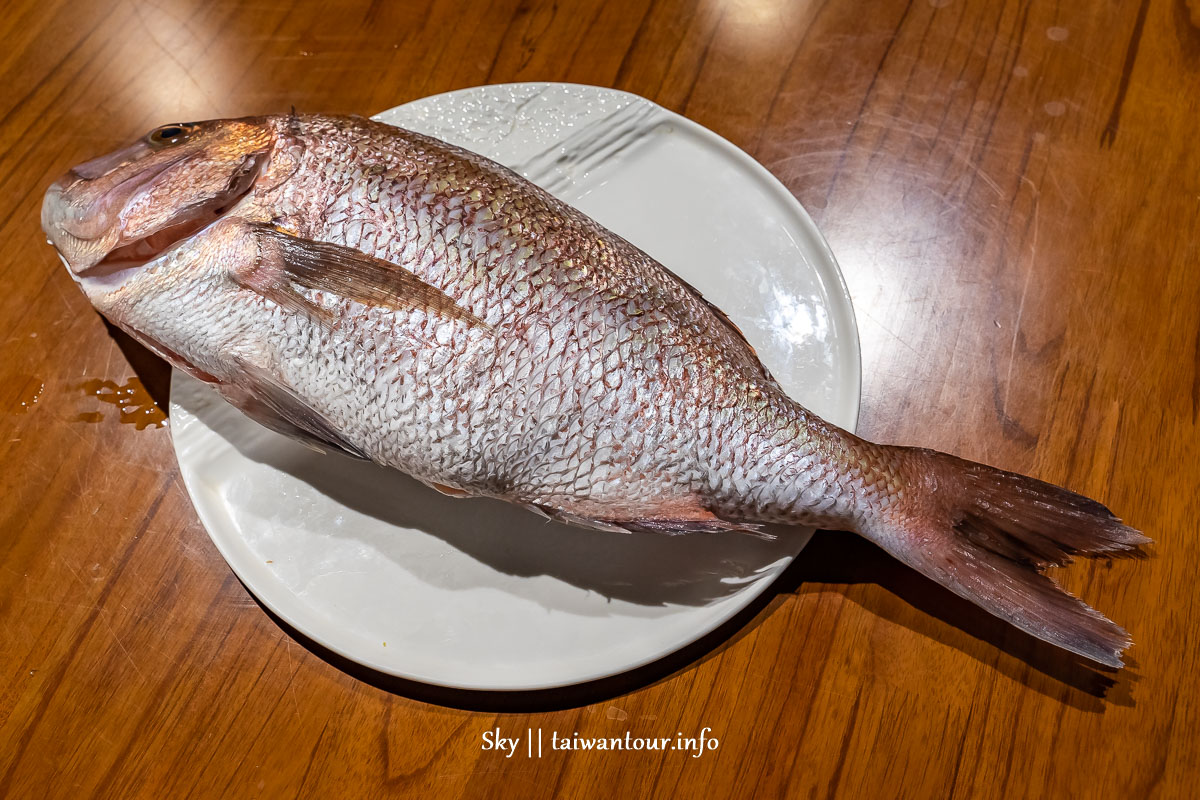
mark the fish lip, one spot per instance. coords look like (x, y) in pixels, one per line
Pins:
(128, 256)
(91, 222)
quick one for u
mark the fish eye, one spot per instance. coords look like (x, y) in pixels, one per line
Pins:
(170, 134)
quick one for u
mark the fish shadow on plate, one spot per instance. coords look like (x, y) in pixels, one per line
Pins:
(649, 570)
(646, 570)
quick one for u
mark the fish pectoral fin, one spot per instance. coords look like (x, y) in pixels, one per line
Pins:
(271, 403)
(344, 271)
(274, 286)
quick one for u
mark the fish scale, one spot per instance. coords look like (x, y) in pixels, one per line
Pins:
(442, 272)
(373, 290)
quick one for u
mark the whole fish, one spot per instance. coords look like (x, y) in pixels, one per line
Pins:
(368, 289)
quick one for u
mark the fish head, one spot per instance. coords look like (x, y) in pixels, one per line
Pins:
(123, 209)
(143, 230)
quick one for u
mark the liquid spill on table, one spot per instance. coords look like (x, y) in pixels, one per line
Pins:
(134, 403)
(28, 391)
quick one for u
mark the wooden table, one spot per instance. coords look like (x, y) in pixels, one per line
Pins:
(1012, 190)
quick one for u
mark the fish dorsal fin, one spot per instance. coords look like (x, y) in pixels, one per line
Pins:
(724, 319)
(350, 273)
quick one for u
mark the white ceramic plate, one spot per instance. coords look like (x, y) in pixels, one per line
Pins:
(477, 594)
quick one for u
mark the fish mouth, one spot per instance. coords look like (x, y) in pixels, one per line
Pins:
(129, 255)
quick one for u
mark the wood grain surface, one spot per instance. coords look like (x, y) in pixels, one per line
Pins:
(1012, 190)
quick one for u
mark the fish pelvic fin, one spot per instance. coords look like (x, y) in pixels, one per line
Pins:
(270, 402)
(987, 534)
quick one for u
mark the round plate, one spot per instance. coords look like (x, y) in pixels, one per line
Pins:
(479, 594)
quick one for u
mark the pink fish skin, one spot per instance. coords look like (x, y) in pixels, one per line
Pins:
(372, 290)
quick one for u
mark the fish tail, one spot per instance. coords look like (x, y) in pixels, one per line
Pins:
(987, 534)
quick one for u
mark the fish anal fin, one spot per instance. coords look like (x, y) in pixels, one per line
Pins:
(450, 491)
(675, 516)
